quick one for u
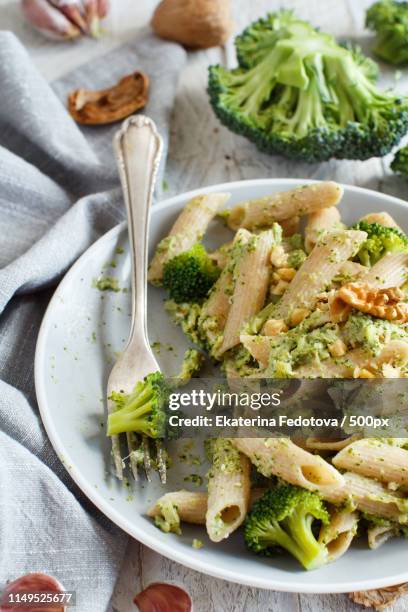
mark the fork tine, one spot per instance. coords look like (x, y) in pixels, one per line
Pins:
(161, 455)
(147, 461)
(132, 447)
(117, 457)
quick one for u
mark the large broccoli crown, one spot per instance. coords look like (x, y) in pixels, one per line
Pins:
(189, 276)
(299, 93)
(380, 241)
(284, 516)
(389, 20)
(400, 162)
(144, 410)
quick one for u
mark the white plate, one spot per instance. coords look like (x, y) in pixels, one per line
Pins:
(76, 347)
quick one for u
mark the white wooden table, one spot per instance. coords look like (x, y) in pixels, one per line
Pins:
(201, 153)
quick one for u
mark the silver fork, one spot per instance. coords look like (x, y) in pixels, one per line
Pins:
(138, 148)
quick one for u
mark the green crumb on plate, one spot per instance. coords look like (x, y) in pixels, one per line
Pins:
(106, 283)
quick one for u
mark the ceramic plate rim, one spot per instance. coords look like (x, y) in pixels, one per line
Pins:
(106, 508)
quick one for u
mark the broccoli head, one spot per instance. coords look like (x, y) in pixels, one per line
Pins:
(400, 162)
(298, 93)
(389, 20)
(380, 241)
(189, 276)
(143, 411)
(285, 517)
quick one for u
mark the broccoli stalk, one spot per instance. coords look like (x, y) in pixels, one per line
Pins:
(143, 411)
(389, 20)
(400, 162)
(299, 93)
(190, 275)
(380, 241)
(285, 517)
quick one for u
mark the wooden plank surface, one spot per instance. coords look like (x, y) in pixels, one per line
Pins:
(202, 153)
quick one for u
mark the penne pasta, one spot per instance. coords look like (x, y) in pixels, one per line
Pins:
(383, 218)
(329, 445)
(192, 505)
(318, 223)
(319, 269)
(261, 213)
(189, 228)
(377, 535)
(228, 490)
(375, 459)
(339, 533)
(281, 457)
(251, 281)
(215, 309)
(390, 271)
(371, 497)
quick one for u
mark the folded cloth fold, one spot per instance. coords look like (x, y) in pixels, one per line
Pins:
(59, 191)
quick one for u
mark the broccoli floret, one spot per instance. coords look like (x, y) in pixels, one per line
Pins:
(296, 258)
(389, 20)
(144, 410)
(380, 241)
(189, 276)
(285, 517)
(400, 162)
(298, 93)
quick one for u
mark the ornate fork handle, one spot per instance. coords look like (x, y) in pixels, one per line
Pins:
(137, 174)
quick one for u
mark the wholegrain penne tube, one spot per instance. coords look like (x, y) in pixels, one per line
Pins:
(262, 212)
(390, 271)
(318, 271)
(192, 505)
(251, 282)
(383, 218)
(338, 535)
(352, 270)
(370, 496)
(228, 490)
(313, 443)
(318, 223)
(189, 228)
(375, 459)
(377, 535)
(215, 309)
(281, 457)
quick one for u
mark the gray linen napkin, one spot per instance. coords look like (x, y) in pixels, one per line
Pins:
(58, 193)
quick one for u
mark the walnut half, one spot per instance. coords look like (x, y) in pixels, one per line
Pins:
(383, 303)
(111, 104)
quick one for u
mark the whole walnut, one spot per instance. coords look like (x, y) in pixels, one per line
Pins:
(197, 24)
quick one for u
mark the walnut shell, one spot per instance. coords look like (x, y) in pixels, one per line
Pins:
(197, 24)
(111, 104)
